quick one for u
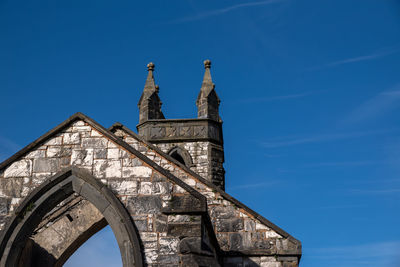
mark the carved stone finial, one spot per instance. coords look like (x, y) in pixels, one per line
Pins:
(150, 66)
(207, 63)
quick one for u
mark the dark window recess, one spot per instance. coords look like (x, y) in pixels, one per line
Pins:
(178, 157)
(69, 218)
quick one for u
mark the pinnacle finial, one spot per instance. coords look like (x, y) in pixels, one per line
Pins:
(207, 63)
(150, 66)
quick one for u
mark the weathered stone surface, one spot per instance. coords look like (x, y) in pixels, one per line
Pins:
(72, 138)
(145, 188)
(186, 203)
(56, 141)
(82, 157)
(123, 187)
(239, 241)
(107, 168)
(229, 225)
(223, 212)
(21, 168)
(46, 165)
(144, 204)
(61, 231)
(11, 187)
(141, 225)
(168, 245)
(198, 261)
(129, 162)
(113, 153)
(160, 188)
(36, 154)
(138, 171)
(4, 206)
(168, 260)
(194, 245)
(100, 153)
(249, 225)
(160, 223)
(184, 229)
(94, 142)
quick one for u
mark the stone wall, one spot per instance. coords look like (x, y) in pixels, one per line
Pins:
(237, 229)
(198, 152)
(207, 159)
(177, 225)
(144, 191)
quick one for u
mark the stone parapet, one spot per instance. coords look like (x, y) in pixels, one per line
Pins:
(183, 130)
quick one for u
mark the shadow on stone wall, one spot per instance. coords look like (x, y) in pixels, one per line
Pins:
(35, 256)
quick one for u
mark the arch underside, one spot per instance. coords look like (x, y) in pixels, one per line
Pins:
(62, 231)
(59, 216)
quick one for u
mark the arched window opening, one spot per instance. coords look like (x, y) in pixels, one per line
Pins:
(178, 157)
(100, 250)
(50, 224)
(181, 155)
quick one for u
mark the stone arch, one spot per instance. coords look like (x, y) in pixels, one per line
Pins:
(62, 231)
(55, 190)
(181, 155)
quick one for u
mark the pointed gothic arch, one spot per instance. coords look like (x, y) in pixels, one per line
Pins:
(56, 189)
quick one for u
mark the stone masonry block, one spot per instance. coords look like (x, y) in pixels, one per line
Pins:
(21, 168)
(92, 142)
(46, 165)
(239, 241)
(229, 225)
(11, 187)
(144, 204)
(72, 138)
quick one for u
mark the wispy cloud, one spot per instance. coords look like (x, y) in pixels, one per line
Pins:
(254, 185)
(385, 254)
(278, 97)
(374, 107)
(272, 155)
(380, 180)
(349, 163)
(318, 138)
(224, 10)
(383, 191)
(375, 55)
(335, 207)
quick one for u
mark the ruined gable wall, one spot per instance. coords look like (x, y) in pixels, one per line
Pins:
(236, 229)
(140, 188)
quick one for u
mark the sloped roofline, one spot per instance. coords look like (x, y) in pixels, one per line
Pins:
(112, 137)
(271, 225)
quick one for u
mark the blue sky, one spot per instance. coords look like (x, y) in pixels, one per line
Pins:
(310, 96)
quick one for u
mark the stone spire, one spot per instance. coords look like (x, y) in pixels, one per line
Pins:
(150, 103)
(208, 101)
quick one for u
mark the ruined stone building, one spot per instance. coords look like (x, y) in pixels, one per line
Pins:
(161, 190)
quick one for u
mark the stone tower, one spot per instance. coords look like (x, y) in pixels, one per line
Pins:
(196, 143)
